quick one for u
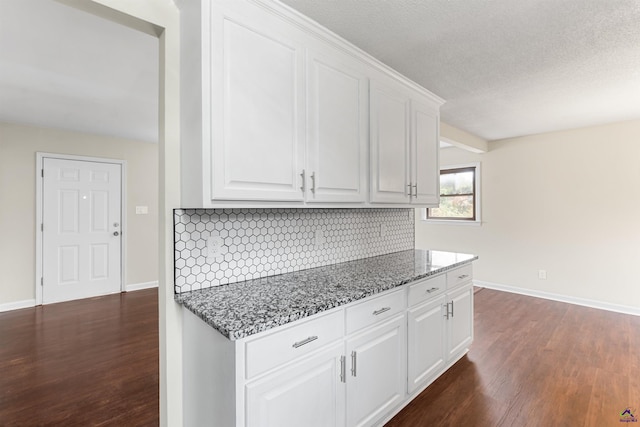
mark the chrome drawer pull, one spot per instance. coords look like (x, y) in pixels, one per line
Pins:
(432, 290)
(382, 310)
(305, 341)
(343, 369)
(446, 310)
(464, 276)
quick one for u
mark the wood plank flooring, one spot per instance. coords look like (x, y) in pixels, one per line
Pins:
(533, 363)
(92, 362)
(536, 362)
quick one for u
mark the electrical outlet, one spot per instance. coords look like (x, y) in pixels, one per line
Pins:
(542, 274)
(383, 230)
(215, 246)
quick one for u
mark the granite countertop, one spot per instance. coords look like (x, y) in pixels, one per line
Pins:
(241, 309)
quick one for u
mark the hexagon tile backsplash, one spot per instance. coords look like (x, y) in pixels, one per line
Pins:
(219, 246)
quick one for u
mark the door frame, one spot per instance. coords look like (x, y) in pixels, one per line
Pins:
(40, 156)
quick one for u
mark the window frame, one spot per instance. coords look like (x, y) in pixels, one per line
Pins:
(476, 197)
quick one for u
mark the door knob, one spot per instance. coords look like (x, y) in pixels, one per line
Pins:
(115, 233)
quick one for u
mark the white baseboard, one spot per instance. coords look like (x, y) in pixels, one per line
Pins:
(561, 298)
(28, 303)
(140, 286)
(16, 305)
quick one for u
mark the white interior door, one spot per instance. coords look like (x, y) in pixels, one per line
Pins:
(81, 239)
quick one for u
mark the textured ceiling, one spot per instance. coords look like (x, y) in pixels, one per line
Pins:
(63, 68)
(505, 67)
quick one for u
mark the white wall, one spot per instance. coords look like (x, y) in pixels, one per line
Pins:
(18, 147)
(162, 18)
(566, 202)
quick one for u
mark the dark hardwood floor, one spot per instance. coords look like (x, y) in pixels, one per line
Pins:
(533, 363)
(92, 362)
(536, 362)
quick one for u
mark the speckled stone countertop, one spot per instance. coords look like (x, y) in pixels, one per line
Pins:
(241, 309)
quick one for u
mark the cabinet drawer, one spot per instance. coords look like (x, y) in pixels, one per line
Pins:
(275, 349)
(371, 311)
(426, 289)
(459, 276)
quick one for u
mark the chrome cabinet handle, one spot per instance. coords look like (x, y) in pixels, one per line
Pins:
(448, 314)
(432, 290)
(446, 310)
(409, 192)
(353, 363)
(382, 310)
(464, 276)
(415, 186)
(343, 369)
(304, 186)
(305, 341)
(313, 182)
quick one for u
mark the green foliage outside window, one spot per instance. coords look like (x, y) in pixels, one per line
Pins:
(457, 195)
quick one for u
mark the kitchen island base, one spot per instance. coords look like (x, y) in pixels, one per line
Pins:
(353, 365)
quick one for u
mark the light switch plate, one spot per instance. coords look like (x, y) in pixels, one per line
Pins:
(142, 210)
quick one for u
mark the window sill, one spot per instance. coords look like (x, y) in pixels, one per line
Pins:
(452, 222)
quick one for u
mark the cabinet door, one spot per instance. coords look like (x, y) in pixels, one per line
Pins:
(337, 139)
(308, 393)
(425, 147)
(460, 323)
(389, 121)
(257, 105)
(375, 383)
(426, 342)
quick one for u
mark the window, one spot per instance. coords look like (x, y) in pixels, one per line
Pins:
(459, 195)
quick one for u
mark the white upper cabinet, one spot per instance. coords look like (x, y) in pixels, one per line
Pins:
(257, 97)
(390, 151)
(425, 148)
(404, 131)
(276, 111)
(337, 99)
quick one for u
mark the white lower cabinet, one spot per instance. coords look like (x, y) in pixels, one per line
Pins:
(425, 342)
(375, 383)
(460, 320)
(439, 327)
(355, 382)
(309, 393)
(356, 365)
